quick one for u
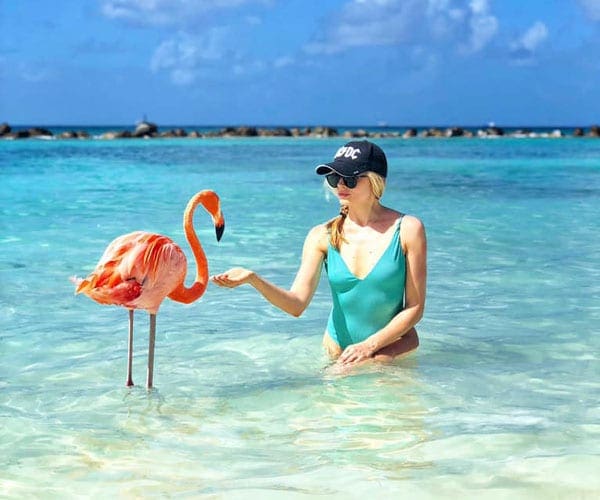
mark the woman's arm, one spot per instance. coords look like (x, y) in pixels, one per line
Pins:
(415, 246)
(295, 300)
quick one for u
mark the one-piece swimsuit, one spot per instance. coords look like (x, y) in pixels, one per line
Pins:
(361, 307)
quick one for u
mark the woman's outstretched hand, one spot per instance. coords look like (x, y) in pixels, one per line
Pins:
(234, 277)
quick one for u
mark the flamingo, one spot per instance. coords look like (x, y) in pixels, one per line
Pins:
(138, 270)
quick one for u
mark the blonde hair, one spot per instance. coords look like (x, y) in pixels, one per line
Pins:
(335, 227)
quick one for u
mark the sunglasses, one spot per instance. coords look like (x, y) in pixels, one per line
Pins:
(350, 181)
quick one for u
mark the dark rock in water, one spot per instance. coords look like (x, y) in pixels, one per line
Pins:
(122, 134)
(411, 132)
(281, 132)
(19, 134)
(4, 129)
(432, 132)
(324, 132)
(455, 132)
(178, 132)
(247, 131)
(227, 132)
(578, 132)
(594, 131)
(494, 131)
(145, 129)
(68, 134)
(195, 134)
(38, 131)
(72, 134)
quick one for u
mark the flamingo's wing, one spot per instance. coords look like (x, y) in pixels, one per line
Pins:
(132, 266)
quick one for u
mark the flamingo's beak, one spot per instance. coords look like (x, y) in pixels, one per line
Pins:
(219, 229)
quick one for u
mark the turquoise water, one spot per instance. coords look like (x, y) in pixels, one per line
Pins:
(500, 401)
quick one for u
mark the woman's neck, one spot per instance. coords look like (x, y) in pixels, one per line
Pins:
(365, 215)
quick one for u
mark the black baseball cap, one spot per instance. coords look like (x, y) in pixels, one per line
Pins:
(355, 158)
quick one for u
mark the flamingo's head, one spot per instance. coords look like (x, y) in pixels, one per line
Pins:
(211, 202)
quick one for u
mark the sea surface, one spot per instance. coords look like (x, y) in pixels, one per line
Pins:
(501, 400)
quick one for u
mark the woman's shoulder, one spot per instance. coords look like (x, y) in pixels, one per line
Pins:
(319, 236)
(411, 222)
(412, 230)
(407, 221)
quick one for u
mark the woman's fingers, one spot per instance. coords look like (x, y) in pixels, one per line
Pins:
(221, 280)
(231, 278)
(353, 354)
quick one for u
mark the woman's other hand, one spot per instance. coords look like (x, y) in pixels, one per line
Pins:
(355, 353)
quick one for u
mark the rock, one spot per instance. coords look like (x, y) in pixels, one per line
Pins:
(324, 132)
(195, 134)
(38, 131)
(454, 132)
(490, 132)
(227, 132)
(145, 129)
(247, 131)
(594, 131)
(68, 134)
(578, 132)
(178, 132)
(4, 129)
(123, 134)
(410, 132)
(494, 131)
(432, 132)
(276, 132)
(19, 134)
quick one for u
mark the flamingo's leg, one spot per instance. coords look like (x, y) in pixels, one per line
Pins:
(152, 336)
(129, 382)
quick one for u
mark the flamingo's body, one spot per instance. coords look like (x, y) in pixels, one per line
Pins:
(138, 270)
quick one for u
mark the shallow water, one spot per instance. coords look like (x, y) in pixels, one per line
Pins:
(500, 400)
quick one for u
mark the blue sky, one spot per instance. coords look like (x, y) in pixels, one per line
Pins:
(300, 62)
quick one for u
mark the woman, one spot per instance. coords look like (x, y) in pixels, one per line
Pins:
(375, 259)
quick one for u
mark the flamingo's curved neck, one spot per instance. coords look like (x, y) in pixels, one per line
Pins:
(190, 294)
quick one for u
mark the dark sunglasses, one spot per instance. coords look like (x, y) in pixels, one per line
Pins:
(351, 181)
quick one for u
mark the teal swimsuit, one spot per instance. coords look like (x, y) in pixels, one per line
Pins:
(361, 307)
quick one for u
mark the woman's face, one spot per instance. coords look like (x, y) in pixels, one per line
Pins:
(362, 193)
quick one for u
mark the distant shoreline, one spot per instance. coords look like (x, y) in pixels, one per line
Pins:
(149, 130)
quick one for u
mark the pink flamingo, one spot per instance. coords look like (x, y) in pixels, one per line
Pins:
(138, 270)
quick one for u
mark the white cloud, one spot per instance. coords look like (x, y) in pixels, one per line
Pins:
(483, 26)
(591, 8)
(166, 12)
(284, 61)
(467, 26)
(534, 36)
(529, 41)
(188, 58)
(32, 72)
(526, 45)
(185, 56)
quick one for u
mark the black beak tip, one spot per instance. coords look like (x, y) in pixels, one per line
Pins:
(219, 230)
